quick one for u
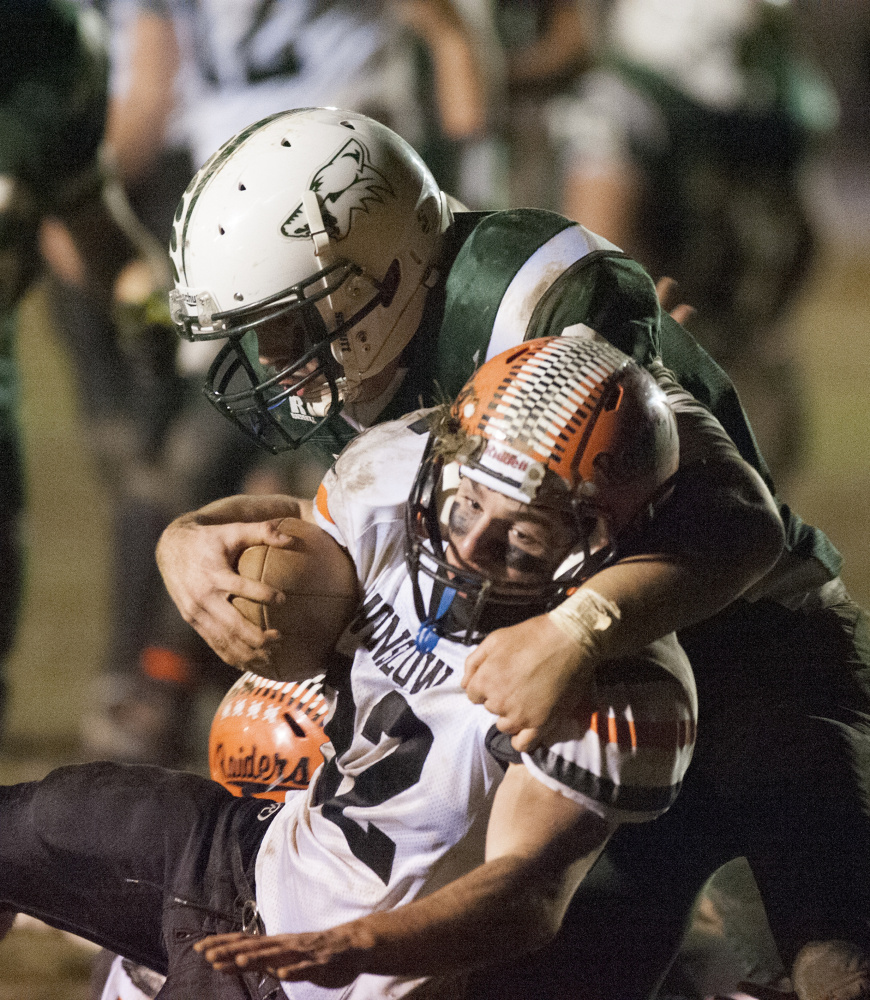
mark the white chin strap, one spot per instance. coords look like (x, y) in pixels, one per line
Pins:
(316, 226)
(348, 384)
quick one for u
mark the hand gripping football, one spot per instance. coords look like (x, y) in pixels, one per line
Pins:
(320, 583)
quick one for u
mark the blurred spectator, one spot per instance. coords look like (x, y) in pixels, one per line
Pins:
(840, 34)
(546, 43)
(459, 71)
(685, 146)
(59, 206)
(839, 31)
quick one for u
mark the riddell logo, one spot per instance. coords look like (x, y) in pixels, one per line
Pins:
(298, 411)
(504, 456)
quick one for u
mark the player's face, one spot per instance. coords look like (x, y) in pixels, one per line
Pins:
(516, 545)
(281, 341)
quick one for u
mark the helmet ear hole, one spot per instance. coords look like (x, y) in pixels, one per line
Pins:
(612, 397)
(390, 284)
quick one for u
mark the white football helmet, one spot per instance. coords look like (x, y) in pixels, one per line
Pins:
(325, 221)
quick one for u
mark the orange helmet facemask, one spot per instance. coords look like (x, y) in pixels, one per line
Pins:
(565, 421)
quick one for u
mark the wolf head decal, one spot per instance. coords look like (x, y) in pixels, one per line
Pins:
(347, 184)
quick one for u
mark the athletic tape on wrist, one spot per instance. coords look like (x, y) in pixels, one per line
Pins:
(586, 617)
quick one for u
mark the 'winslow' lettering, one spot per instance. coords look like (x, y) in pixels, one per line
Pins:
(396, 655)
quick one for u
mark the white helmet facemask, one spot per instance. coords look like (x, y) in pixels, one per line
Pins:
(316, 231)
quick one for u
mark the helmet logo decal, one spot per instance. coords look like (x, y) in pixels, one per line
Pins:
(247, 765)
(348, 183)
(506, 457)
(501, 465)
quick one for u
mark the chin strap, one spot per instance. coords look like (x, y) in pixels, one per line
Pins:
(427, 637)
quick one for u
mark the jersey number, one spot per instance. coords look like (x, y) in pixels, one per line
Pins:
(392, 716)
(258, 65)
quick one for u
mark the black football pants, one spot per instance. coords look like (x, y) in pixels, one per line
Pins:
(140, 860)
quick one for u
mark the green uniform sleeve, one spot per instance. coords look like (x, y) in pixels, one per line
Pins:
(601, 288)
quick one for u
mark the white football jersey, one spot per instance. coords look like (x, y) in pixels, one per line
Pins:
(247, 59)
(401, 805)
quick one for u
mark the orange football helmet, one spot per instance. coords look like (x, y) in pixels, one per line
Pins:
(266, 736)
(568, 420)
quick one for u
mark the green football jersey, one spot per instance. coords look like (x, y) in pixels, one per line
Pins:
(516, 275)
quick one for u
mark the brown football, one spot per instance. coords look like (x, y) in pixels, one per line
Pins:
(320, 583)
